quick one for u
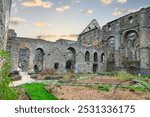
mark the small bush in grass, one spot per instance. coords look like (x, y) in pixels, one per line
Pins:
(34, 76)
(137, 88)
(16, 77)
(48, 72)
(123, 75)
(104, 87)
(69, 75)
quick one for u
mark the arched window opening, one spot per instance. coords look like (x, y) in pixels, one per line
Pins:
(95, 57)
(38, 60)
(24, 54)
(102, 57)
(56, 66)
(87, 56)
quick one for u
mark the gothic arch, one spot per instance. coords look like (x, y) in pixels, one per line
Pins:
(95, 57)
(87, 56)
(71, 58)
(38, 60)
(102, 58)
(110, 54)
(131, 46)
(24, 55)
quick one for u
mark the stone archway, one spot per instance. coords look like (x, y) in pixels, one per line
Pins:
(95, 68)
(110, 53)
(38, 60)
(71, 58)
(87, 56)
(95, 57)
(24, 55)
(131, 49)
(102, 58)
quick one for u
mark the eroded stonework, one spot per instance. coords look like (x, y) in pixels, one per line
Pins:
(5, 6)
(121, 44)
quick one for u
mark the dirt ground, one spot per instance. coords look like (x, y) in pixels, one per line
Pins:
(103, 80)
(88, 93)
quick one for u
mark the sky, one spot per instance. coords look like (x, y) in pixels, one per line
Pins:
(66, 19)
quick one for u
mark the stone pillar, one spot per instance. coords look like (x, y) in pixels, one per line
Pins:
(118, 63)
(5, 6)
(144, 36)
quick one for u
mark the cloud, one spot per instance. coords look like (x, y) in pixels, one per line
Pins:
(62, 9)
(120, 11)
(87, 11)
(76, 1)
(106, 2)
(38, 3)
(53, 37)
(41, 24)
(14, 20)
(122, 1)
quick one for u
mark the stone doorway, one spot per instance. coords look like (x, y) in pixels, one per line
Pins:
(38, 60)
(69, 65)
(95, 68)
(24, 54)
(71, 58)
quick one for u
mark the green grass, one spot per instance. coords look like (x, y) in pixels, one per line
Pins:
(36, 91)
(123, 75)
(104, 87)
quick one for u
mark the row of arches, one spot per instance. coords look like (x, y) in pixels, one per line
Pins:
(95, 57)
(129, 49)
(24, 56)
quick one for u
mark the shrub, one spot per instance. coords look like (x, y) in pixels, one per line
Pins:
(16, 78)
(123, 75)
(34, 76)
(137, 88)
(6, 92)
(104, 87)
(48, 72)
(69, 75)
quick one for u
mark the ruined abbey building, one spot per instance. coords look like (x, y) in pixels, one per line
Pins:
(121, 44)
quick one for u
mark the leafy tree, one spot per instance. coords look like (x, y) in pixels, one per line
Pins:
(6, 92)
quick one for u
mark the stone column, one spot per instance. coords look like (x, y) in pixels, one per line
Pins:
(144, 36)
(118, 63)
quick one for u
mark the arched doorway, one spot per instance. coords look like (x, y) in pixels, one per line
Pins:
(110, 54)
(95, 67)
(102, 58)
(24, 55)
(69, 65)
(71, 58)
(38, 60)
(131, 51)
(95, 57)
(87, 56)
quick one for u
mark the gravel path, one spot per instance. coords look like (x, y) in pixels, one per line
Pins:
(25, 79)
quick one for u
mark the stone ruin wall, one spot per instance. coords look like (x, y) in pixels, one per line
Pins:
(40, 55)
(5, 6)
(121, 44)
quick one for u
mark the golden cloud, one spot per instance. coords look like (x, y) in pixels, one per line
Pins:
(62, 9)
(122, 1)
(106, 2)
(54, 37)
(41, 24)
(38, 3)
(14, 20)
